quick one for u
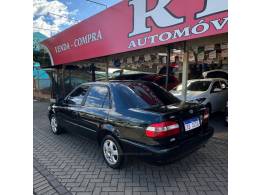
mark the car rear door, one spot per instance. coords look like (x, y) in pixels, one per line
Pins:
(71, 107)
(94, 111)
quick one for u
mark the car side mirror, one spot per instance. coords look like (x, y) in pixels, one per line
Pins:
(217, 90)
(64, 101)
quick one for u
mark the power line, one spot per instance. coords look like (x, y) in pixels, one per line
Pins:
(59, 16)
(63, 16)
(97, 3)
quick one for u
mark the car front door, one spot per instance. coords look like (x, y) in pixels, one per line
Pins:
(216, 96)
(224, 95)
(95, 109)
(70, 109)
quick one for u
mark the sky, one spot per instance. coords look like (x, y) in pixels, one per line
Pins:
(53, 16)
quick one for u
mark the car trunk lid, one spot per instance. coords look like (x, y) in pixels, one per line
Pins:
(182, 113)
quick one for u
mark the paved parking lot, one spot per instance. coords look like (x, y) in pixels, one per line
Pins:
(70, 164)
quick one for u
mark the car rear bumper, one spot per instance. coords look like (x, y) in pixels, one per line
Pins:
(167, 153)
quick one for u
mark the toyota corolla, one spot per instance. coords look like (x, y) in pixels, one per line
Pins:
(132, 117)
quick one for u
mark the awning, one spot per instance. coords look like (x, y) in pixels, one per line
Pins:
(138, 24)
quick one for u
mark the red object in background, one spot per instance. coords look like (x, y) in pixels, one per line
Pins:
(109, 32)
(174, 65)
(161, 80)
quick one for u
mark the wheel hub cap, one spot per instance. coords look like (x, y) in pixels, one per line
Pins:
(54, 124)
(110, 152)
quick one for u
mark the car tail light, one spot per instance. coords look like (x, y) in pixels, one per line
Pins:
(206, 114)
(163, 129)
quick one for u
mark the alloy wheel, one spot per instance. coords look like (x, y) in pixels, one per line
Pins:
(110, 152)
(54, 125)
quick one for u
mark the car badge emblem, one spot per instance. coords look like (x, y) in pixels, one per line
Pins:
(191, 111)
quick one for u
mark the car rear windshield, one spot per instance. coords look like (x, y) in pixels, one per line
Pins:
(198, 86)
(144, 95)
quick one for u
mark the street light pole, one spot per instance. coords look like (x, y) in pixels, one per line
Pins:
(97, 3)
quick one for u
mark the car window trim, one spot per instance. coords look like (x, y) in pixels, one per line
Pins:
(77, 105)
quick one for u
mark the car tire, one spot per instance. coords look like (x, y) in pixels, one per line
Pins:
(112, 152)
(56, 129)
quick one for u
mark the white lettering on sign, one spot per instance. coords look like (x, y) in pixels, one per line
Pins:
(217, 25)
(165, 36)
(199, 28)
(212, 7)
(178, 33)
(86, 39)
(160, 15)
(62, 47)
(91, 37)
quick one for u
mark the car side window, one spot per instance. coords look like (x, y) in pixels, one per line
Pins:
(97, 97)
(106, 103)
(76, 97)
(216, 85)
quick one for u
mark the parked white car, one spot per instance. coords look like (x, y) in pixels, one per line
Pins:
(210, 92)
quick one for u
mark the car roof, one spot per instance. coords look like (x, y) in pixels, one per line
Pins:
(216, 70)
(132, 75)
(208, 79)
(113, 82)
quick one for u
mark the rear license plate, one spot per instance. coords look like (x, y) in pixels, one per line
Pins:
(191, 123)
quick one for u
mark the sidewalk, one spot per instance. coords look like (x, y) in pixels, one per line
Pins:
(70, 164)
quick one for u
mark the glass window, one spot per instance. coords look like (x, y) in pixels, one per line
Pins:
(216, 85)
(97, 96)
(144, 95)
(198, 86)
(195, 86)
(106, 102)
(76, 97)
